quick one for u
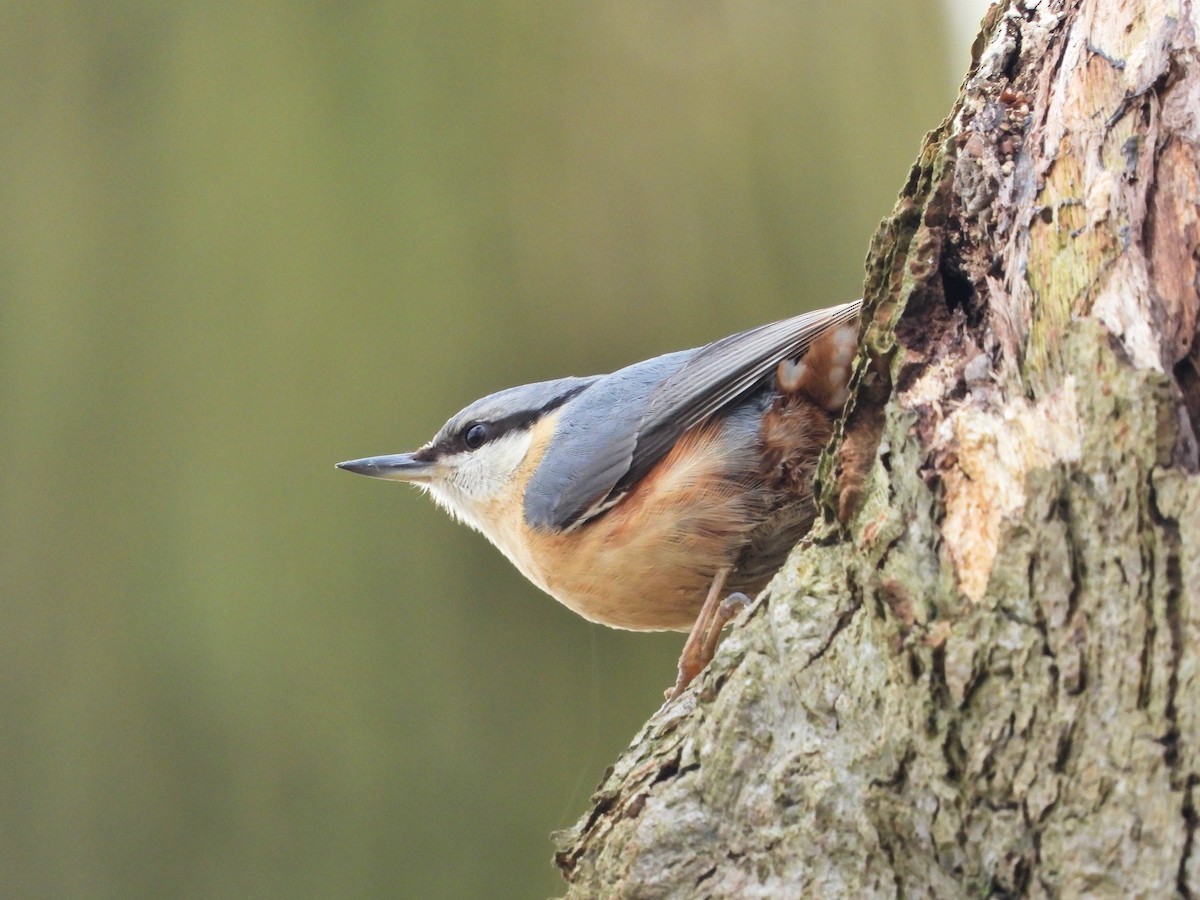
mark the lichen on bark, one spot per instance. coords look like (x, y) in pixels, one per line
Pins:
(979, 674)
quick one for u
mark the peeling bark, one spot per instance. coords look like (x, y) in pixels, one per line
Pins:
(980, 676)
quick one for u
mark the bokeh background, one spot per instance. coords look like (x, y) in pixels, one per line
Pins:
(241, 242)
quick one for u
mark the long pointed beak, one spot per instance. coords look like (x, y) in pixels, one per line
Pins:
(398, 467)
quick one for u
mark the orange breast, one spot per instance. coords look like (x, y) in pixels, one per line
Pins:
(647, 563)
(736, 492)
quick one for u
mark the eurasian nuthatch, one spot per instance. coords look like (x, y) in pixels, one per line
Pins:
(639, 498)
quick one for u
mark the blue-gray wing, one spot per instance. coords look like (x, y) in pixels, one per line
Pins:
(618, 429)
(723, 373)
(594, 443)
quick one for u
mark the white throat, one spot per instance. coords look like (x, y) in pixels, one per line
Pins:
(476, 479)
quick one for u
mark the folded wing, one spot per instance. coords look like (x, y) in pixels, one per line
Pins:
(624, 423)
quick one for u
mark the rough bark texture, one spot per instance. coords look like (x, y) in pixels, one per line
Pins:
(986, 682)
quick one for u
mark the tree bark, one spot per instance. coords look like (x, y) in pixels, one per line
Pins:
(979, 675)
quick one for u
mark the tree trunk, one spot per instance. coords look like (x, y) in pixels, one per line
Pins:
(980, 675)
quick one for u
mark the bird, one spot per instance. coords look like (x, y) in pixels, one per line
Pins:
(661, 496)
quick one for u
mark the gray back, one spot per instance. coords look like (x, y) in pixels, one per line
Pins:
(617, 429)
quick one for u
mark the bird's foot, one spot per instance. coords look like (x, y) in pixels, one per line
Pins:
(701, 644)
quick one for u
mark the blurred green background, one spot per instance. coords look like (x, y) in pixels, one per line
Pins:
(241, 242)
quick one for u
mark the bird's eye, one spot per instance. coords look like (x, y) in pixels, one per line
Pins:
(475, 436)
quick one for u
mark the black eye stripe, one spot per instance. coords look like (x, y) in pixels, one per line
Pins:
(474, 435)
(463, 441)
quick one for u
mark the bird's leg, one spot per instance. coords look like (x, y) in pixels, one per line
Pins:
(726, 610)
(702, 640)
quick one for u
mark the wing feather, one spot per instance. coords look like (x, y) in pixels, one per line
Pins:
(722, 373)
(622, 425)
